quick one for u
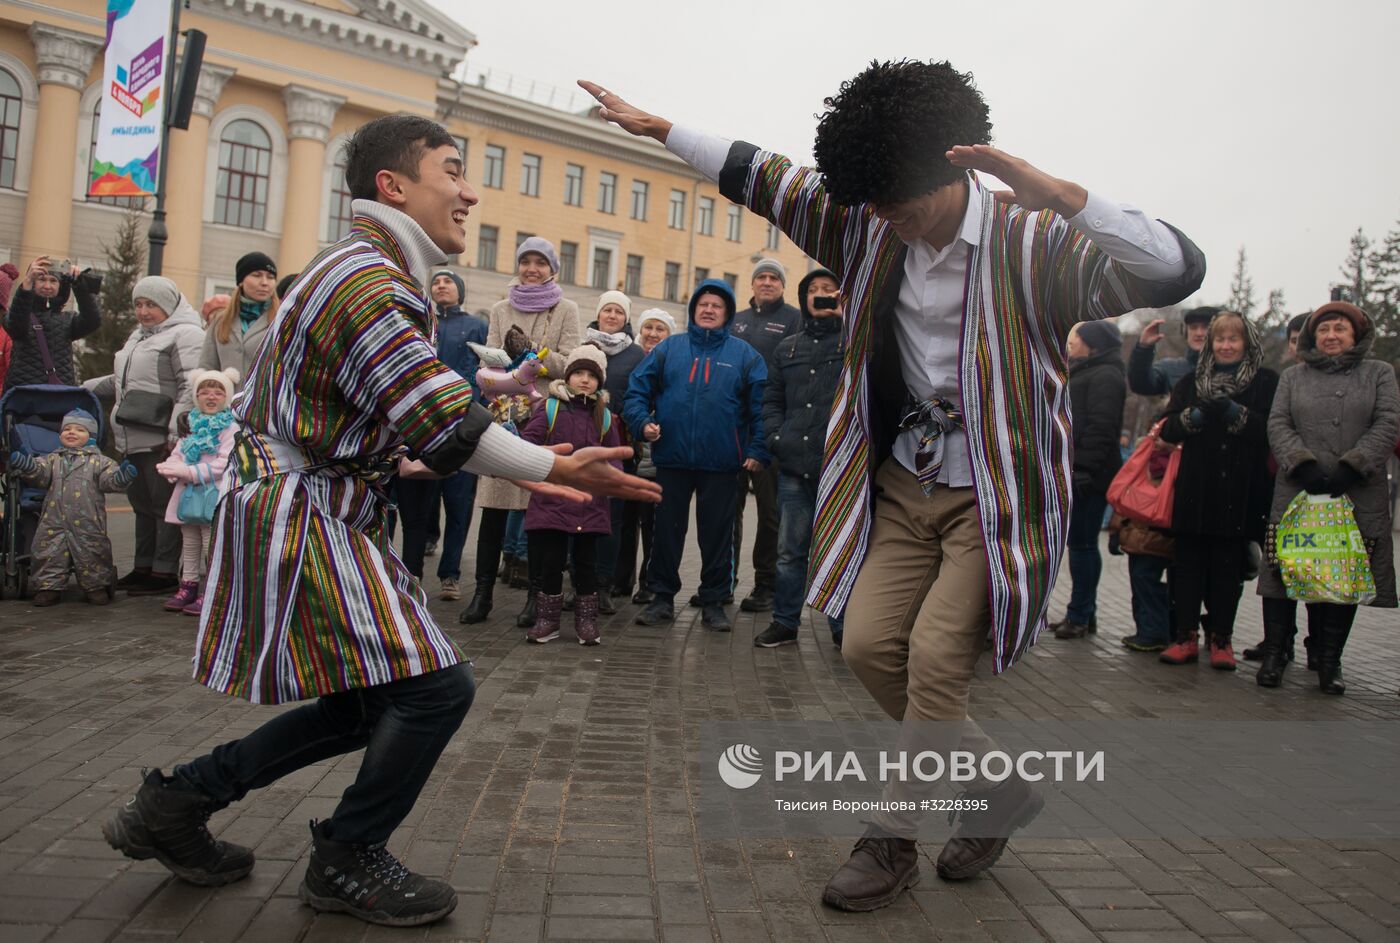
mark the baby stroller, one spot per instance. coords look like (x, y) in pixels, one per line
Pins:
(30, 417)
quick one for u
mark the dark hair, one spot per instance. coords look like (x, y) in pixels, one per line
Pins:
(394, 142)
(1295, 323)
(884, 134)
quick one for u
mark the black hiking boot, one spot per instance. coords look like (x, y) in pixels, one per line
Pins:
(168, 821)
(367, 882)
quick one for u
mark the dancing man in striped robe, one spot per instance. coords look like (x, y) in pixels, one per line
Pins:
(307, 598)
(945, 491)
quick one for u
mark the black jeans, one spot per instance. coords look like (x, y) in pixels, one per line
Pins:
(549, 557)
(715, 496)
(402, 726)
(765, 542)
(1209, 571)
(157, 542)
(617, 551)
(418, 502)
(490, 535)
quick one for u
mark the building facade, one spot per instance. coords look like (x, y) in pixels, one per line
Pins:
(284, 84)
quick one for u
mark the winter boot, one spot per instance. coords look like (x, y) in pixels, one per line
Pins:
(137, 576)
(168, 821)
(544, 622)
(195, 608)
(1336, 627)
(46, 597)
(480, 607)
(1222, 655)
(983, 833)
(606, 606)
(530, 611)
(189, 589)
(367, 882)
(1185, 652)
(520, 574)
(586, 620)
(1276, 650)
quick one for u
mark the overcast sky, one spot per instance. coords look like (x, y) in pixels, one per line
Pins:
(1272, 125)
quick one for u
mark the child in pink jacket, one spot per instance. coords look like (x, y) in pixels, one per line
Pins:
(198, 461)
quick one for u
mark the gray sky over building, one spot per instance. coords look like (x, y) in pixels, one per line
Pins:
(1272, 125)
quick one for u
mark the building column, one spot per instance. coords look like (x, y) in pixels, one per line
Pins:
(65, 57)
(184, 192)
(309, 117)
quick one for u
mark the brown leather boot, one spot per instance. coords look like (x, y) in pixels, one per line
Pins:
(982, 835)
(880, 867)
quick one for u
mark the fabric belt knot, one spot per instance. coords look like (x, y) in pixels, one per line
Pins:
(934, 417)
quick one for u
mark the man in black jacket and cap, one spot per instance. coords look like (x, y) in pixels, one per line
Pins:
(766, 321)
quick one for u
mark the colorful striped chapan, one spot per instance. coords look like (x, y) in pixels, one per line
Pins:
(1029, 279)
(306, 596)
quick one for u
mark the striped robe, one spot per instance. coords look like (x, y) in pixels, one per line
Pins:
(1029, 279)
(305, 594)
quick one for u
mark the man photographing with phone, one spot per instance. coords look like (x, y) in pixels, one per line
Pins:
(42, 330)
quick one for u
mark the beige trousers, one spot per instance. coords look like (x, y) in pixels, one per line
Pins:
(918, 618)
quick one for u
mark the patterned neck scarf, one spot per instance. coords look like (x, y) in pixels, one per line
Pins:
(611, 344)
(249, 311)
(1212, 383)
(204, 433)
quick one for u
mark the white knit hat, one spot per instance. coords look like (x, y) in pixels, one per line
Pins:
(227, 378)
(659, 314)
(614, 298)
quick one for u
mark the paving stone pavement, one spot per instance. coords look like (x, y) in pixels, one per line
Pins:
(564, 809)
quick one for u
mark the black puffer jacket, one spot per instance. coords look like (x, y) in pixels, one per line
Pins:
(1097, 388)
(61, 328)
(806, 369)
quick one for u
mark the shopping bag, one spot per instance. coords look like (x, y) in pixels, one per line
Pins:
(1134, 493)
(1320, 552)
(197, 503)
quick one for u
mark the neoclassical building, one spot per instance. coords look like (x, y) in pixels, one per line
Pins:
(284, 84)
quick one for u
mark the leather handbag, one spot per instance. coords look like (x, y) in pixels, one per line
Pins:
(1135, 494)
(146, 410)
(197, 503)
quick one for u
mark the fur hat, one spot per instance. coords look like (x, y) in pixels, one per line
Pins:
(771, 266)
(162, 292)
(254, 262)
(614, 298)
(1340, 309)
(227, 378)
(80, 417)
(8, 276)
(541, 245)
(590, 358)
(658, 314)
(213, 305)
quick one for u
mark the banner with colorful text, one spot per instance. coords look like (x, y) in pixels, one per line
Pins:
(133, 98)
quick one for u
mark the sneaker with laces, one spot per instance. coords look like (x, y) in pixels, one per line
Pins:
(1222, 656)
(450, 591)
(775, 635)
(169, 822)
(1181, 653)
(368, 882)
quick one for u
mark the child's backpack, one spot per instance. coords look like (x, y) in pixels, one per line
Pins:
(551, 411)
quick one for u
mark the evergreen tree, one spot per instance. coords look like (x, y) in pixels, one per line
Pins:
(1384, 297)
(126, 263)
(1356, 270)
(1241, 287)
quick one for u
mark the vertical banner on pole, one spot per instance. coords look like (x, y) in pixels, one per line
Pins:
(133, 98)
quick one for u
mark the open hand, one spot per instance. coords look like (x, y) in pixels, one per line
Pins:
(591, 470)
(1152, 333)
(627, 117)
(1031, 187)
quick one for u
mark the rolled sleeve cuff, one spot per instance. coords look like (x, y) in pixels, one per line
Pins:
(502, 455)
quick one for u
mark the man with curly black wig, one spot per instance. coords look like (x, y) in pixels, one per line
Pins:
(945, 490)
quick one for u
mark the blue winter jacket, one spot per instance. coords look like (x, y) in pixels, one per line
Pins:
(455, 329)
(705, 389)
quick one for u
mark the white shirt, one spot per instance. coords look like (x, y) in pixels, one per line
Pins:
(929, 311)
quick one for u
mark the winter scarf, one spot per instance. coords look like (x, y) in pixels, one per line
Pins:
(1361, 325)
(1213, 383)
(535, 298)
(249, 311)
(610, 344)
(205, 429)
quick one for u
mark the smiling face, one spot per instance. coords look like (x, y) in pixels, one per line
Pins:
(211, 397)
(611, 318)
(533, 269)
(925, 217)
(439, 200)
(73, 436)
(148, 313)
(258, 286)
(710, 311)
(445, 292)
(1227, 342)
(1335, 336)
(653, 332)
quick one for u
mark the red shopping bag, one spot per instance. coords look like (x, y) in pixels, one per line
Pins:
(1133, 492)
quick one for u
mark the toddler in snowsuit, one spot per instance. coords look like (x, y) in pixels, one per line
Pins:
(198, 461)
(575, 412)
(73, 523)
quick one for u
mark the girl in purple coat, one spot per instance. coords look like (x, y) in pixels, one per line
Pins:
(576, 412)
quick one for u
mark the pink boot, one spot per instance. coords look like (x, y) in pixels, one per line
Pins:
(186, 594)
(196, 607)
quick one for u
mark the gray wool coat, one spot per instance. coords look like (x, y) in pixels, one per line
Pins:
(239, 351)
(556, 329)
(1352, 416)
